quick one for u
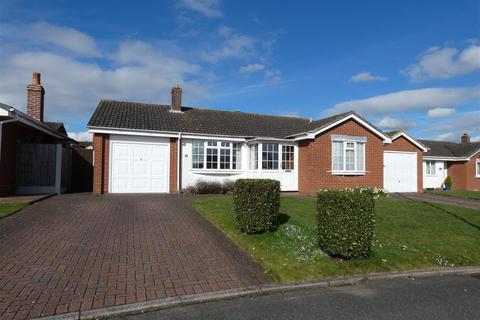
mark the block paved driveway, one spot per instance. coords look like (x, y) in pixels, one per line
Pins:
(79, 252)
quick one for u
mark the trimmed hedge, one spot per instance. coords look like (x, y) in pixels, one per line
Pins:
(257, 204)
(210, 187)
(346, 221)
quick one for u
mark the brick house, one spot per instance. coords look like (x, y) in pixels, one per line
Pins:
(166, 148)
(461, 161)
(34, 157)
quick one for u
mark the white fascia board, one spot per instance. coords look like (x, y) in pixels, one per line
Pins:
(312, 135)
(434, 158)
(263, 139)
(4, 113)
(211, 137)
(406, 136)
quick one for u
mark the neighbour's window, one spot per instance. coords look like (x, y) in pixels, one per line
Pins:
(216, 155)
(253, 154)
(198, 154)
(287, 158)
(430, 167)
(270, 156)
(348, 156)
(237, 156)
(478, 168)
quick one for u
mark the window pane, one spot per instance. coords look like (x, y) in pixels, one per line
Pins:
(270, 156)
(224, 158)
(287, 157)
(237, 156)
(337, 156)
(212, 143)
(253, 157)
(198, 154)
(350, 160)
(212, 158)
(360, 157)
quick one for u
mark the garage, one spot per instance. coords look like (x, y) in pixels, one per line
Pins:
(139, 164)
(400, 171)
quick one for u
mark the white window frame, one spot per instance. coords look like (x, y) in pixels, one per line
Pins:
(477, 168)
(218, 146)
(429, 164)
(345, 141)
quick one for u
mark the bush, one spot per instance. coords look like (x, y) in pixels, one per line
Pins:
(257, 204)
(346, 221)
(448, 182)
(210, 187)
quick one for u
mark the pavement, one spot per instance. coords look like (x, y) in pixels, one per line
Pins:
(78, 252)
(425, 197)
(424, 298)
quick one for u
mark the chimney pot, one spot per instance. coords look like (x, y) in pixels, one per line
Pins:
(177, 98)
(465, 138)
(35, 98)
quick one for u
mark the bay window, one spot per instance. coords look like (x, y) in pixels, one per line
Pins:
(214, 155)
(269, 156)
(348, 155)
(237, 156)
(287, 158)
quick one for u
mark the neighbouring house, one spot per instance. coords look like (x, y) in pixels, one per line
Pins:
(165, 148)
(461, 161)
(34, 154)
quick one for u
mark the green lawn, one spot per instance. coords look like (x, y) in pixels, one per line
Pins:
(469, 195)
(409, 235)
(7, 209)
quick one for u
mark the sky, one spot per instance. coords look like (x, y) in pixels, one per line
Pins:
(401, 64)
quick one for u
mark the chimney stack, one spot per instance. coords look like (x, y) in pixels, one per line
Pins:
(177, 98)
(465, 138)
(35, 98)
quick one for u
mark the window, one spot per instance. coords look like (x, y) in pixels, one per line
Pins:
(270, 156)
(348, 156)
(478, 168)
(430, 167)
(213, 155)
(237, 156)
(253, 153)
(287, 158)
(198, 154)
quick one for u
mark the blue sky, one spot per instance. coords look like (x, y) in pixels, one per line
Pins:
(409, 64)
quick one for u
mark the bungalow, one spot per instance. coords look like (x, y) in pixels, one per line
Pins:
(148, 148)
(460, 161)
(34, 154)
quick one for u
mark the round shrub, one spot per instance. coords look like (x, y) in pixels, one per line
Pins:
(346, 221)
(257, 204)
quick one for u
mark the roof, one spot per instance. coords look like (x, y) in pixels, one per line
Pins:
(57, 126)
(393, 133)
(450, 149)
(153, 117)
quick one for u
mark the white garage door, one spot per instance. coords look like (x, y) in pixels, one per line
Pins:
(400, 172)
(138, 166)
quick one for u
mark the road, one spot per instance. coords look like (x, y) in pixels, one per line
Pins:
(444, 297)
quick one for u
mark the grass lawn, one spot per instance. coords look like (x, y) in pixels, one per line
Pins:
(469, 195)
(408, 235)
(7, 209)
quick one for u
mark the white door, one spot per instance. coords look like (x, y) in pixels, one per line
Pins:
(138, 167)
(400, 171)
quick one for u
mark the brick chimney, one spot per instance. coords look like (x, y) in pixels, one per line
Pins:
(177, 98)
(465, 138)
(35, 94)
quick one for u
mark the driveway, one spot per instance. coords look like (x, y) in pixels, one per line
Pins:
(474, 204)
(80, 252)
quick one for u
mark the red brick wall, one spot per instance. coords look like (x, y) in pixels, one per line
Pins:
(173, 165)
(457, 170)
(101, 147)
(472, 182)
(315, 161)
(402, 144)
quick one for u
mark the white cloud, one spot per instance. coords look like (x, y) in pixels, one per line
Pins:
(62, 37)
(444, 63)
(393, 123)
(234, 45)
(440, 112)
(366, 76)
(208, 8)
(452, 128)
(475, 139)
(273, 76)
(409, 100)
(80, 136)
(251, 68)
(448, 136)
(140, 71)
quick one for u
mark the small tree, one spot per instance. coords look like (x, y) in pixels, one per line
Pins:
(448, 183)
